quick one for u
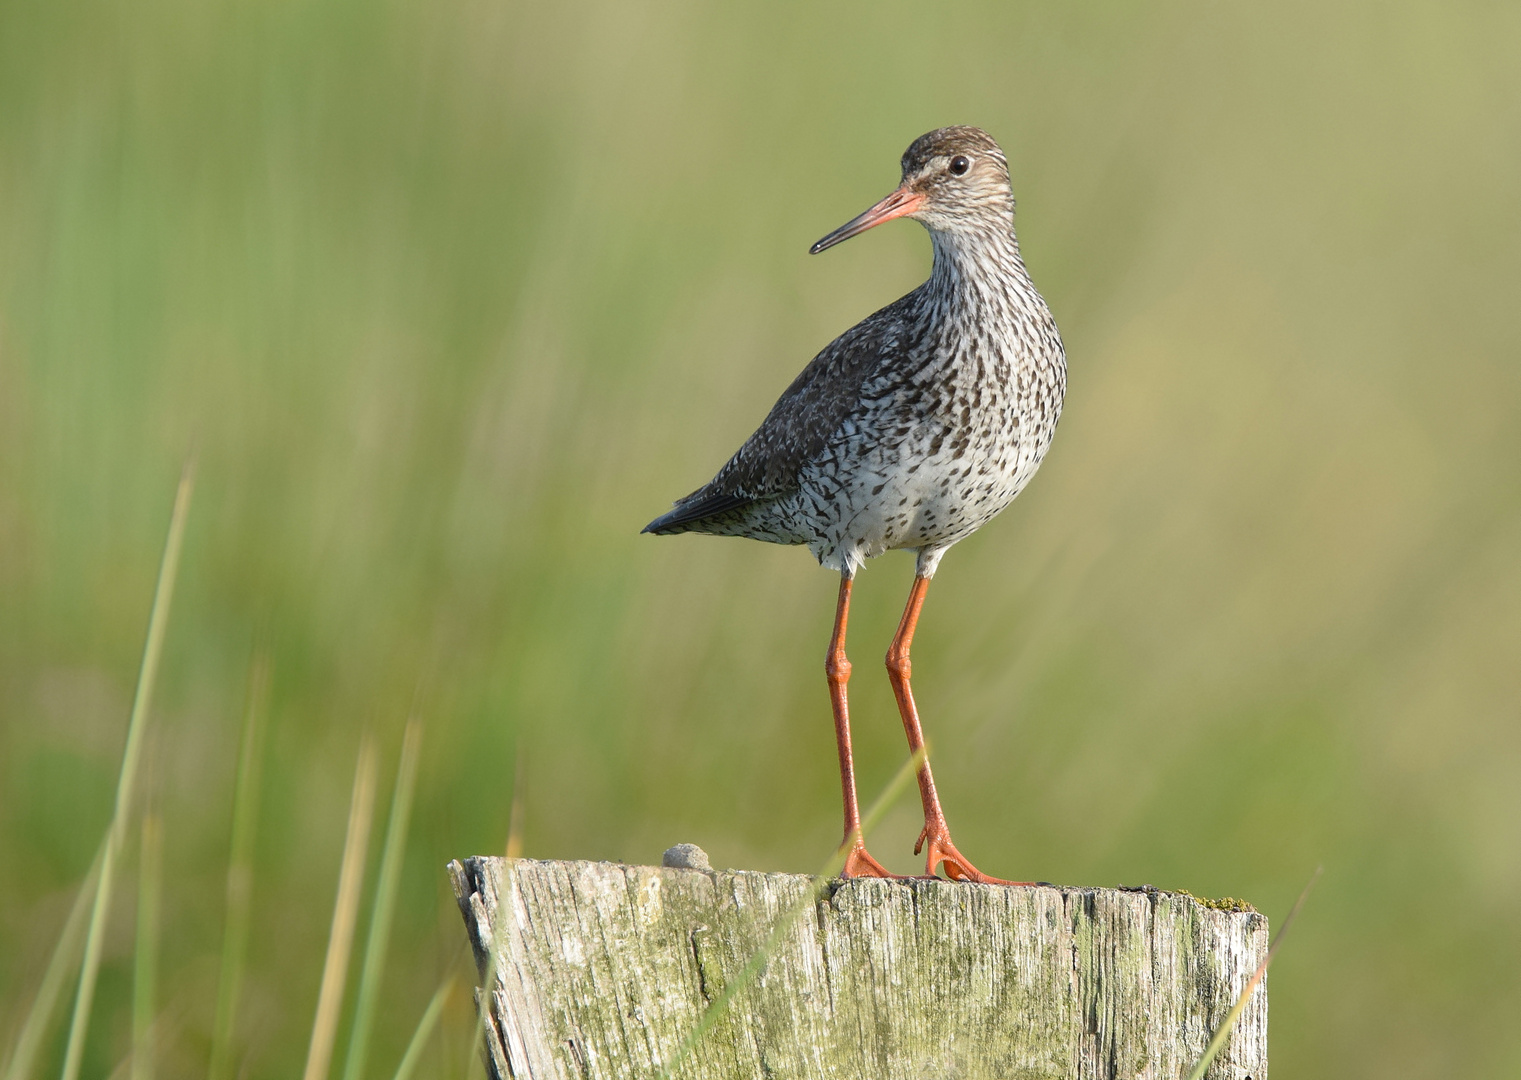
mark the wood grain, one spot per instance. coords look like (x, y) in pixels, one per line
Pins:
(605, 969)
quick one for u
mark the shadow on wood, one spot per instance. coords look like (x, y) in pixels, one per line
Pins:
(604, 970)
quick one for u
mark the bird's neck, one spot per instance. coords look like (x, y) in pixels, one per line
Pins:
(973, 264)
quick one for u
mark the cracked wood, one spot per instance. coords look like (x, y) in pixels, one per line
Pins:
(606, 968)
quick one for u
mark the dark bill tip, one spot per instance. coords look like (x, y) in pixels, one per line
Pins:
(900, 203)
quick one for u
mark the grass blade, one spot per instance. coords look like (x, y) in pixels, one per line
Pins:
(150, 878)
(158, 619)
(65, 956)
(515, 815)
(1218, 1042)
(789, 918)
(424, 1030)
(245, 819)
(385, 900)
(340, 938)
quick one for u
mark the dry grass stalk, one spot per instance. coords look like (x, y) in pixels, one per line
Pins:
(319, 1053)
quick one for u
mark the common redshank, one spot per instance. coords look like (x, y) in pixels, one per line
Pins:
(910, 430)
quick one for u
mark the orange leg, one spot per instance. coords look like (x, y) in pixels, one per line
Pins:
(936, 835)
(837, 668)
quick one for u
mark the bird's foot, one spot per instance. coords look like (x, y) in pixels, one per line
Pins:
(859, 864)
(937, 839)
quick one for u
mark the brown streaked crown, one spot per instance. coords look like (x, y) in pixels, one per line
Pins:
(948, 142)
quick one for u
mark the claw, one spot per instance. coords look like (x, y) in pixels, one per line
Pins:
(957, 866)
(859, 864)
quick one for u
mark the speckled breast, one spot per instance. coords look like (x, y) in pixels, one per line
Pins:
(926, 461)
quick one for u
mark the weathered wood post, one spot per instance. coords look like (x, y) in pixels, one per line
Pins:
(603, 970)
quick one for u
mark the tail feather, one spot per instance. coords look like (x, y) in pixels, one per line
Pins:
(694, 509)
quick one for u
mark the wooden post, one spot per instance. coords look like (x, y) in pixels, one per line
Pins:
(604, 970)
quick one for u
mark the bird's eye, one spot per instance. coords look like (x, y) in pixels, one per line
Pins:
(959, 165)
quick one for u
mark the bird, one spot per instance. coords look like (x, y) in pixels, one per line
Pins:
(911, 430)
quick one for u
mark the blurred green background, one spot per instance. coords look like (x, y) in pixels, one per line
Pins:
(454, 296)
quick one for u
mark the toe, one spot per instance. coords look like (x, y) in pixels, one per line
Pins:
(957, 866)
(860, 864)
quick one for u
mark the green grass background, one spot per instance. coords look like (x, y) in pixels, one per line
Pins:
(454, 296)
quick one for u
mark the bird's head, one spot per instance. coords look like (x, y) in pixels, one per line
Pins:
(955, 179)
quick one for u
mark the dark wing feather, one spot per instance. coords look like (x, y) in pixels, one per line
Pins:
(692, 509)
(799, 424)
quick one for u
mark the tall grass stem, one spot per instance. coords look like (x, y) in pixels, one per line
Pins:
(424, 1030)
(1218, 1042)
(378, 940)
(789, 918)
(158, 621)
(340, 938)
(245, 821)
(150, 889)
(65, 956)
(515, 815)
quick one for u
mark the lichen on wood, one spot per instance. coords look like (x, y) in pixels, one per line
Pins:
(605, 969)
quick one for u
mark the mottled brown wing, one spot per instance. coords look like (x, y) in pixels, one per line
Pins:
(798, 426)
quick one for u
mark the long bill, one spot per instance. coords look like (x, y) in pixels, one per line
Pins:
(900, 203)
